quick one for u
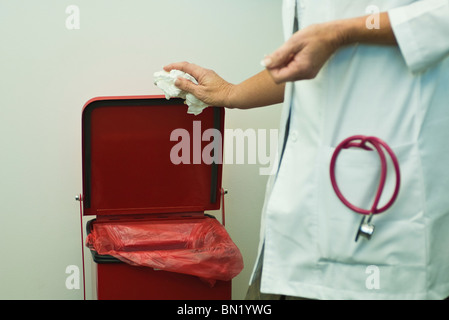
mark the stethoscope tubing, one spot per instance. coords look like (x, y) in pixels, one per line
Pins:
(378, 145)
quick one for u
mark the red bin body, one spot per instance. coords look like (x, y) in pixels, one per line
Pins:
(134, 170)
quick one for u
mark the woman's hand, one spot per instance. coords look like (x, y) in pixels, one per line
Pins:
(257, 91)
(211, 88)
(304, 54)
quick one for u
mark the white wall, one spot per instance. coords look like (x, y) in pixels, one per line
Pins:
(48, 72)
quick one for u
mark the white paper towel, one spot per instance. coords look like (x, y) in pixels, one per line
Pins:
(166, 81)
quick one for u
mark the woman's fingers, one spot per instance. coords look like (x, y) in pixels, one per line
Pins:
(187, 67)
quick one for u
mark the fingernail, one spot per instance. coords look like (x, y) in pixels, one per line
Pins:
(266, 62)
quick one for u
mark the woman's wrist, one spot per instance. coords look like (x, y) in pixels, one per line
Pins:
(356, 30)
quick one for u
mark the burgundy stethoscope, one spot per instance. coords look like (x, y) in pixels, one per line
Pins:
(366, 228)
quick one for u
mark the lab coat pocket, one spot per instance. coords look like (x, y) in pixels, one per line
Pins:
(399, 232)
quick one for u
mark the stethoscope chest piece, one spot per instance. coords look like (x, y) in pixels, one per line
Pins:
(366, 229)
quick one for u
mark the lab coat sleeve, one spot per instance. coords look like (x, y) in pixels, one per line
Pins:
(422, 32)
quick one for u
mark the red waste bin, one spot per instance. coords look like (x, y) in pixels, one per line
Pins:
(147, 163)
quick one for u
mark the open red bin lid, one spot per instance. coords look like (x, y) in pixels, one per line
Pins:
(127, 164)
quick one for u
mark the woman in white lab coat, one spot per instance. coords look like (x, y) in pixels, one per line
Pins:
(345, 73)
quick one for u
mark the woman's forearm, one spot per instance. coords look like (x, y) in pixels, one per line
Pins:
(355, 30)
(258, 91)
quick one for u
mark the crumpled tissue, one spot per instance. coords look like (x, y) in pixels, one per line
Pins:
(166, 81)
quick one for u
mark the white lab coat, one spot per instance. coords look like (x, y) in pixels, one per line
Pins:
(399, 94)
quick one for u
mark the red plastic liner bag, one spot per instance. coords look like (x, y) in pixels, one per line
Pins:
(198, 247)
